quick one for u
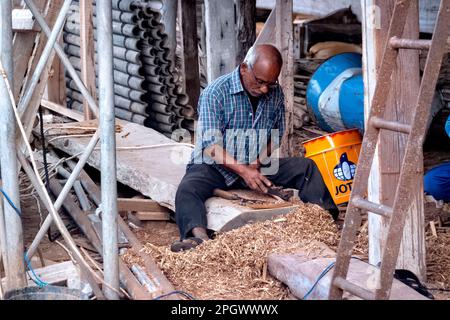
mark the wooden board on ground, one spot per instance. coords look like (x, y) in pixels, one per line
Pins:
(148, 205)
(157, 171)
(152, 216)
(72, 114)
(301, 269)
(62, 274)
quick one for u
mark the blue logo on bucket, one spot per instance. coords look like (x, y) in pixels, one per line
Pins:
(345, 170)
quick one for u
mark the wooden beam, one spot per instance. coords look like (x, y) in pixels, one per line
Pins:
(29, 115)
(152, 216)
(169, 19)
(22, 21)
(190, 50)
(87, 53)
(69, 113)
(284, 40)
(406, 84)
(386, 171)
(56, 84)
(59, 274)
(371, 55)
(220, 38)
(246, 26)
(24, 44)
(133, 204)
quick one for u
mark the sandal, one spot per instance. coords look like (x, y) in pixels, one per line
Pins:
(186, 244)
(411, 280)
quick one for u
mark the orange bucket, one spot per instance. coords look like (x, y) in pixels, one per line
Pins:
(336, 156)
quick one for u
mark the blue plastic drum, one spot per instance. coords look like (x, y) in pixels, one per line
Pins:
(335, 93)
(447, 126)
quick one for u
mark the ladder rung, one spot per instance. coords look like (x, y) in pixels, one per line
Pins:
(380, 123)
(353, 289)
(377, 208)
(399, 43)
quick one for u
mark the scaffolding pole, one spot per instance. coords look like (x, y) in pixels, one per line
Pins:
(14, 266)
(108, 149)
(43, 60)
(60, 52)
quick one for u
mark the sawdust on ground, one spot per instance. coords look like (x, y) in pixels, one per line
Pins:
(233, 265)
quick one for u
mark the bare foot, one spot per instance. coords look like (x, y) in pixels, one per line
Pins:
(200, 232)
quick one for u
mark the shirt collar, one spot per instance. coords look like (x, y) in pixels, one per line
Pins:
(236, 84)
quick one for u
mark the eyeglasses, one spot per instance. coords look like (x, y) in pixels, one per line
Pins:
(261, 83)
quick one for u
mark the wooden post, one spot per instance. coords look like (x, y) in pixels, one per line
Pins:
(220, 38)
(24, 43)
(29, 114)
(56, 84)
(284, 41)
(386, 168)
(246, 26)
(190, 50)
(169, 19)
(87, 53)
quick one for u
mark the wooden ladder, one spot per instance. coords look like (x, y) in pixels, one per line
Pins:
(416, 133)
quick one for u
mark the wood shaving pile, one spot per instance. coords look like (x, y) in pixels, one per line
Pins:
(438, 259)
(233, 265)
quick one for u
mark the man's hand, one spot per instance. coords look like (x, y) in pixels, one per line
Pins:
(254, 179)
(250, 173)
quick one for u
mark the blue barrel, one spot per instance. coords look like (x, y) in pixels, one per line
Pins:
(436, 182)
(335, 93)
(447, 126)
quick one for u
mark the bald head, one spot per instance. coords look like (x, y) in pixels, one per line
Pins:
(260, 69)
(265, 54)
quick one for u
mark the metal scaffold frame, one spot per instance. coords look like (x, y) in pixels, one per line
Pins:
(12, 151)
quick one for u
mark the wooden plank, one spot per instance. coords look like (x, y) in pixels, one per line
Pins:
(56, 84)
(24, 43)
(188, 14)
(152, 216)
(284, 40)
(403, 93)
(371, 55)
(87, 53)
(220, 38)
(246, 26)
(190, 50)
(83, 221)
(56, 274)
(29, 115)
(126, 204)
(72, 114)
(433, 229)
(151, 267)
(22, 21)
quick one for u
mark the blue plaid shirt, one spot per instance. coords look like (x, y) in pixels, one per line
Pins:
(226, 118)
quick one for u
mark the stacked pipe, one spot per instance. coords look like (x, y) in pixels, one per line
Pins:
(145, 92)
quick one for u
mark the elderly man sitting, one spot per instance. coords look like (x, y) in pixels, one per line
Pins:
(241, 122)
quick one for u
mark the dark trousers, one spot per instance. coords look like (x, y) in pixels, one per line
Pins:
(201, 179)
